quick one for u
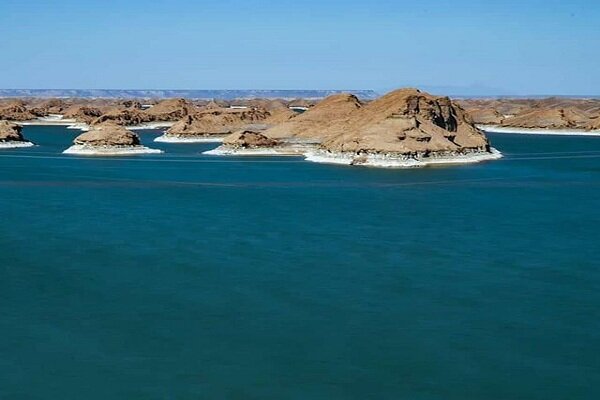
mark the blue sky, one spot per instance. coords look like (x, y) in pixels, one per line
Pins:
(501, 47)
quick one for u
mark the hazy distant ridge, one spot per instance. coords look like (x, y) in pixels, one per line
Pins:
(190, 94)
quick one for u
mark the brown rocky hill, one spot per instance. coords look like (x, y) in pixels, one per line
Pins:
(279, 116)
(486, 116)
(126, 116)
(406, 121)
(553, 118)
(16, 110)
(245, 139)
(107, 134)
(217, 121)
(43, 107)
(170, 110)
(314, 123)
(551, 112)
(82, 113)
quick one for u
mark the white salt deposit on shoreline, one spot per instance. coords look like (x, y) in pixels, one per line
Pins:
(85, 150)
(15, 144)
(58, 120)
(373, 160)
(290, 149)
(151, 125)
(526, 131)
(191, 139)
(391, 161)
(230, 151)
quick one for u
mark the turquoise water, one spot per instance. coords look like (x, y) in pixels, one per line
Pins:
(180, 276)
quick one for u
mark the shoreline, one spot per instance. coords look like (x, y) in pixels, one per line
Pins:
(290, 149)
(313, 154)
(13, 144)
(150, 125)
(399, 161)
(182, 140)
(74, 124)
(529, 131)
(84, 150)
(257, 152)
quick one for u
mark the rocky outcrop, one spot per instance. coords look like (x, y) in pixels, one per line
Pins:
(126, 117)
(47, 107)
(108, 139)
(551, 114)
(108, 135)
(82, 113)
(170, 110)
(249, 140)
(215, 105)
(407, 122)
(593, 124)
(486, 116)
(131, 104)
(279, 115)
(11, 136)
(555, 118)
(16, 111)
(10, 132)
(314, 124)
(217, 121)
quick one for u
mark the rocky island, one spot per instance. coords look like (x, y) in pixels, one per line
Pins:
(405, 128)
(108, 139)
(11, 136)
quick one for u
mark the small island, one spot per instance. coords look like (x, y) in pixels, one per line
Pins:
(108, 139)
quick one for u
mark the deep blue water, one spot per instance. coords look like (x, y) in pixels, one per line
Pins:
(180, 276)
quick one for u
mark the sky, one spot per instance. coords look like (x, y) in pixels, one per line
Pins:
(526, 47)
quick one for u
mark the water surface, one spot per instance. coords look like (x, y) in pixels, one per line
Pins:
(181, 276)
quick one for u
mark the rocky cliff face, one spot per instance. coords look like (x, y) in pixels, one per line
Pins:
(406, 121)
(10, 132)
(107, 134)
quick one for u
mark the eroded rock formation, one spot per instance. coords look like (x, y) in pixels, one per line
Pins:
(315, 123)
(107, 134)
(249, 140)
(217, 121)
(406, 121)
(10, 132)
(170, 110)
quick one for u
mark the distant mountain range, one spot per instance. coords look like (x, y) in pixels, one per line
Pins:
(189, 94)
